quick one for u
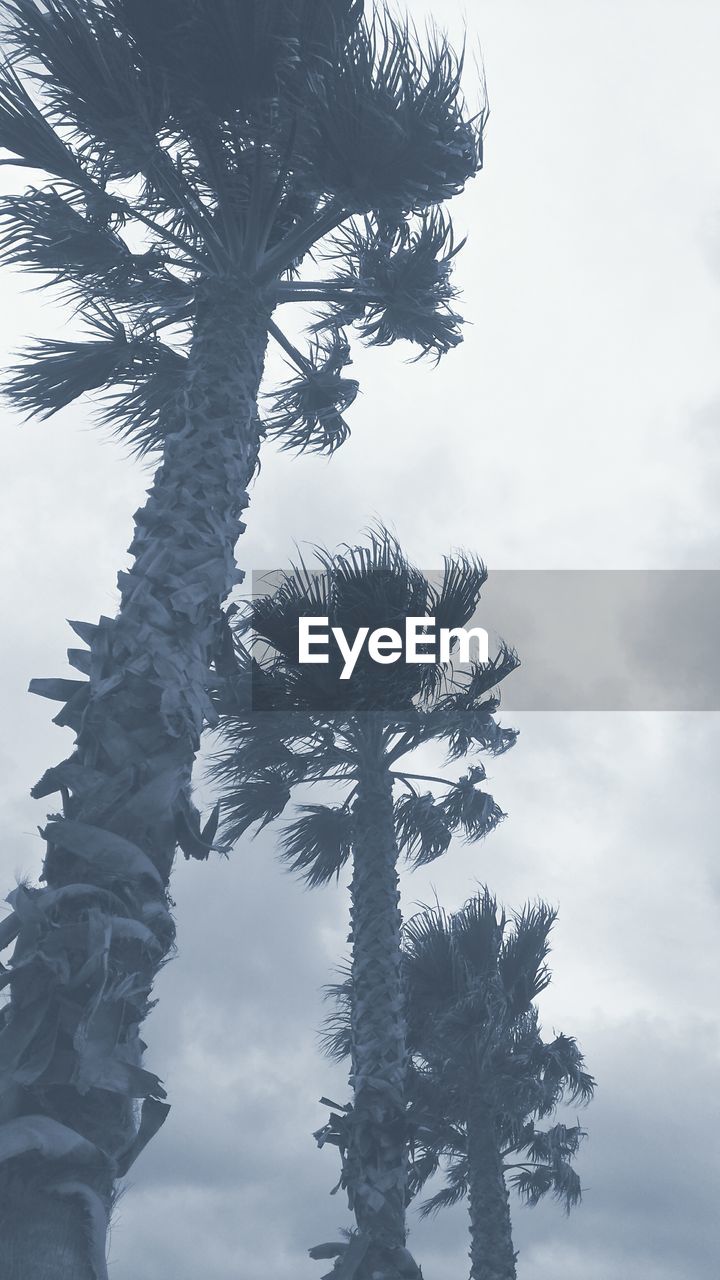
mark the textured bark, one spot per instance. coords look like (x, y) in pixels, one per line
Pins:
(491, 1248)
(377, 1154)
(90, 943)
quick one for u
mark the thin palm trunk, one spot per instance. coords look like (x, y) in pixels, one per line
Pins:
(91, 942)
(377, 1158)
(491, 1248)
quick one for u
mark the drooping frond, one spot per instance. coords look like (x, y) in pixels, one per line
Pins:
(319, 843)
(398, 284)
(560, 1066)
(558, 1177)
(473, 811)
(560, 1141)
(421, 828)
(423, 1163)
(456, 1188)
(466, 721)
(259, 801)
(307, 411)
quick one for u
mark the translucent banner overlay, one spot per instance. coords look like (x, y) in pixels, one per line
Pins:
(596, 640)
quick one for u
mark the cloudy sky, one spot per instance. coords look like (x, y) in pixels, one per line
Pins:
(575, 429)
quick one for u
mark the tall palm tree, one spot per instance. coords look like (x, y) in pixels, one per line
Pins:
(482, 1072)
(308, 725)
(189, 157)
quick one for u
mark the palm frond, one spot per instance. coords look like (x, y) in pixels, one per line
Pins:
(477, 932)
(307, 411)
(55, 372)
(456, 1189)
(151, 408)
(47, 234)
(559, 1178)
(429, 969)
(391, 130)
(223, 59)
(468, 726)
(485, 676)
(336, 1036)
(275, 617)
(30, 138)
(522, 964)
(259, 800)
(561, 1067)
(471, 810)
(559, 1142)
(374, 584)
(92, 78)
(319, 844)
(421, 829)
(398, 283)
(456, 601)
(422, 1165)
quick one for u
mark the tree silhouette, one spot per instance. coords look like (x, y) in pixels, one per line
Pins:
(307, 725)
(481, 1074)
(188, 159)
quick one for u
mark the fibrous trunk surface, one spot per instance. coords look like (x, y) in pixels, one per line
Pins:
(90, 942)
(491, 1248)
(377, 1154)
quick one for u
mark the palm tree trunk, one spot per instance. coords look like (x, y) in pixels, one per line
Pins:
(491, 1248)
(90, 943)
(377, 1155)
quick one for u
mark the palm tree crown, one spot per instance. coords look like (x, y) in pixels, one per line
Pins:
(201, 145)
(307, 725)
(483, 1074)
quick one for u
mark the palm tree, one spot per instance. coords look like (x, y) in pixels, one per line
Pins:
(308, 726)
(189, 157)
(482, 1072)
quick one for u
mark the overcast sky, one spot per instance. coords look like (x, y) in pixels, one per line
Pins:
(575, 428)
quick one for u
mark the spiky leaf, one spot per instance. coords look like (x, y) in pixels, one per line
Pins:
(421, 828)
(307, 411)
(398, 283)
(392, 132)
(318, 844)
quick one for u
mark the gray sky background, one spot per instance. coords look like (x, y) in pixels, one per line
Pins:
(576, 428)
